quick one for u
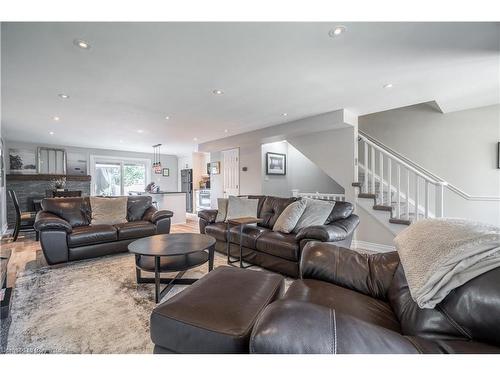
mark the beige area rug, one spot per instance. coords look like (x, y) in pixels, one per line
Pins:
(92, 306)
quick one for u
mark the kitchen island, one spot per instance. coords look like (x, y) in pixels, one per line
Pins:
(174, 201)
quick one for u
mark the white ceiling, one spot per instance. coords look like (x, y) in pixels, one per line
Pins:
(135, 74)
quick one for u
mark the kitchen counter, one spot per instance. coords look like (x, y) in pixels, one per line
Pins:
(174, 201)
(158, 193)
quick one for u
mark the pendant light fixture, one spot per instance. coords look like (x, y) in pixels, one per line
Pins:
(156, 159)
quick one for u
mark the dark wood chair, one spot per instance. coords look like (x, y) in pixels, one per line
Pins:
(24, 220)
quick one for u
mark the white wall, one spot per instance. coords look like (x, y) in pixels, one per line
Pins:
(301, 174)
(459, 147)
(250, 144)
(168, 161)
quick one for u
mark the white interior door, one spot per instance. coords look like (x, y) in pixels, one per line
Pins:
(231, 172)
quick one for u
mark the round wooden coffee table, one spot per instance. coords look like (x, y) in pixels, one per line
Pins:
(177, 252)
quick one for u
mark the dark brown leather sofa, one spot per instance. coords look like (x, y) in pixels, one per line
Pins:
(277, 251)
(352, 303)
(66, 233)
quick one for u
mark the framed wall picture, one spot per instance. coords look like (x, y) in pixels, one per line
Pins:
(22, 161)
(275, 164)
(166, 172)
(214, 167)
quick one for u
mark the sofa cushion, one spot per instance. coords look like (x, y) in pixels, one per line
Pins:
(341, 210)
(217, 231)
(137, 206)
(344, 301)
(272, 209)
(290, 217)
(282, 245)
(221, 210)
(92, 234)
(108, 210)
(241, 207)
(315, 213)
(249, 235)
(76, 211)
(135, 229)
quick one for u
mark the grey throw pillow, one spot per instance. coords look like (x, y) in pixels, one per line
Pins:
(241, 207)
(108, 210)
(221, 210)
(290, 216)
(316, 213)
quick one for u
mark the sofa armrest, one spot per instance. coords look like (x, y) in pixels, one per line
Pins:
(370, 274)
(299, 327)
(208, 215)
(48, 221)
(153, 215)
(336, 231)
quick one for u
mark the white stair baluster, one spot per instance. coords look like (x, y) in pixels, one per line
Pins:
(426, 199)
(373, 170)
(389, 182)
(381, 179)
(365, 182)
(417, 193)
(440, 199)
(407, 194)
(398, 193)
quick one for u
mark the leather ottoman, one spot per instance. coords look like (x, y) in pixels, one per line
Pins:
(216, 314)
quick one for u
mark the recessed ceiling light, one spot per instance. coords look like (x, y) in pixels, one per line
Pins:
(195, 139)
(284, 114)
(63, 96)
(218, 92)
(337, 31)
(121, 140)
(140, 131)
(167, 117)
(81, 44)
(225, 130)
(51, 133)
(388, 86)
(56, 118)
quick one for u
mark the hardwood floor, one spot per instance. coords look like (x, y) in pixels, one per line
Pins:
(25, 250)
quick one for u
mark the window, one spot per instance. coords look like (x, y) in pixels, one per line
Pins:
(117, 176)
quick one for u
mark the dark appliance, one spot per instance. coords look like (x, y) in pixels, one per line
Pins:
(187, 187)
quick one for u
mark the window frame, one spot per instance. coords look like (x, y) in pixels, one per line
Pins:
(122, 161)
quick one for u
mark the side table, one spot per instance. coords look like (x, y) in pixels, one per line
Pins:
(238, 222)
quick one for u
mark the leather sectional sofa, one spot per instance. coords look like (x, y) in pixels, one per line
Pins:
(66, 233)
(347, 302)
(277, 251)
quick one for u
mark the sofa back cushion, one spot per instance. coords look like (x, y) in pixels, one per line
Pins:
(221, 210)
(238, 207)
(315, 213)
(108, 210)
(137, 206)
(341, 210)
(76, 211)
(272, 208)
(471, 311)
(290, 217)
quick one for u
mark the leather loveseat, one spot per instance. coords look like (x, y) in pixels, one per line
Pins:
(279, 252)
(347, 302)
(66, 233)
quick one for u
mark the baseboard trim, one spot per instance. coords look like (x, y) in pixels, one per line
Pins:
(379, 248)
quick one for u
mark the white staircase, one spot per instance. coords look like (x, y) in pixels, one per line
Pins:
(390, 183)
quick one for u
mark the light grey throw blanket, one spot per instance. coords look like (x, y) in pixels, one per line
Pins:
(439, 255)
